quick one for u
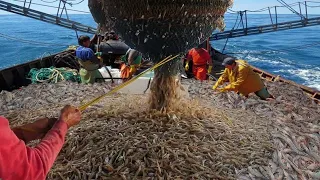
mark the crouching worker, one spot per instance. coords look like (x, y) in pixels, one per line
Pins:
(242, 79)
(130, 62)
(201, 59)
(89, 63)
(18, 161)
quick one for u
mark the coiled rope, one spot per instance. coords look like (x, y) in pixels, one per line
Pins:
(53, 75)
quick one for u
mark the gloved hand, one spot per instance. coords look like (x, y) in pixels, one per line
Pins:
(98, 53)
(214, 87)
(187, 66)
(221, 89)
(35, 130)
(209, 69)
(70, 115)
(132, 70)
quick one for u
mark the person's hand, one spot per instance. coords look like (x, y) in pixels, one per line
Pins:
(221, 89)
(187, 66)
(218, 91)
(70, 115)
(214, 87)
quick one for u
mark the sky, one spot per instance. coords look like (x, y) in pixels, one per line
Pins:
(238, 5)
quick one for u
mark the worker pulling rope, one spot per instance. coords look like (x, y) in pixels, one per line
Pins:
(53, 75)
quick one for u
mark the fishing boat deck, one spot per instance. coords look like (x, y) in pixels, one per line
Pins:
(15, 77)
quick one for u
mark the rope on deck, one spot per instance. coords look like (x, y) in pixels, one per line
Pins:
(53, 75)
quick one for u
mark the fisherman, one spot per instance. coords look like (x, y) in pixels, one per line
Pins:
(130, 62)
(112, 48)
(88, 61)
(200, 61)
(18, 161)
(242, 79)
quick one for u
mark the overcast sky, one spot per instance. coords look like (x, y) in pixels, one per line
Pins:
(238, 5)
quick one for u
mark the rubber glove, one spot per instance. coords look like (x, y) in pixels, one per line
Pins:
(221, 89)
(98, 54)
(215, 87)
(209, 69)
(132, 70)
(187, 66)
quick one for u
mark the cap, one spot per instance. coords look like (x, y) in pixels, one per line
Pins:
(228, 61)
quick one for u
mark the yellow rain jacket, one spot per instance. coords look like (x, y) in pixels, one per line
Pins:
(242, 79)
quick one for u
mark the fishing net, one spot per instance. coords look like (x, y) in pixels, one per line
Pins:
(159, 28)
(164, 86)
(53, 75)
(66, 59)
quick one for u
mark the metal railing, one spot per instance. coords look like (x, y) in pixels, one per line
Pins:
(57, 20)
(241, 28)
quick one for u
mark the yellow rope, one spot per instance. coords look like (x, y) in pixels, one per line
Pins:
(167, 59)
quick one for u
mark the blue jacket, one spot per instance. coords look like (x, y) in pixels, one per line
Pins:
(83, 53)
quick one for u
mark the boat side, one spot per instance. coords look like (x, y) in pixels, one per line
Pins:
(14, 77)
(313, 93)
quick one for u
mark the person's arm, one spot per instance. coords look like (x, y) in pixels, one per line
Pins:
(210, 63)
(94, 39)
(131, 56)
(188, 59)
(223, 78)
(18, 161)
(35, 130)
(242, 76)
(93, 58)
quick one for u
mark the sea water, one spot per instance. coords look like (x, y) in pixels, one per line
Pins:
(292, 54)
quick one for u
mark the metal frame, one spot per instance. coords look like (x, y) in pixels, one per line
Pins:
(22, 10)
(274, 26)
(266, 28)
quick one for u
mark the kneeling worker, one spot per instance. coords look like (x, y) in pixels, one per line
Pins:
(200, 59)
(242, 79)
(88, 61)
(130, 62)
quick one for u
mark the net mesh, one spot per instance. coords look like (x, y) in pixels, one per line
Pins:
(159, 28)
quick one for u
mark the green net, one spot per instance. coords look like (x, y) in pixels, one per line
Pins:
(53, 75)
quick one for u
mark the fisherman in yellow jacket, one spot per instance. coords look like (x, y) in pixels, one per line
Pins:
(242, 79)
